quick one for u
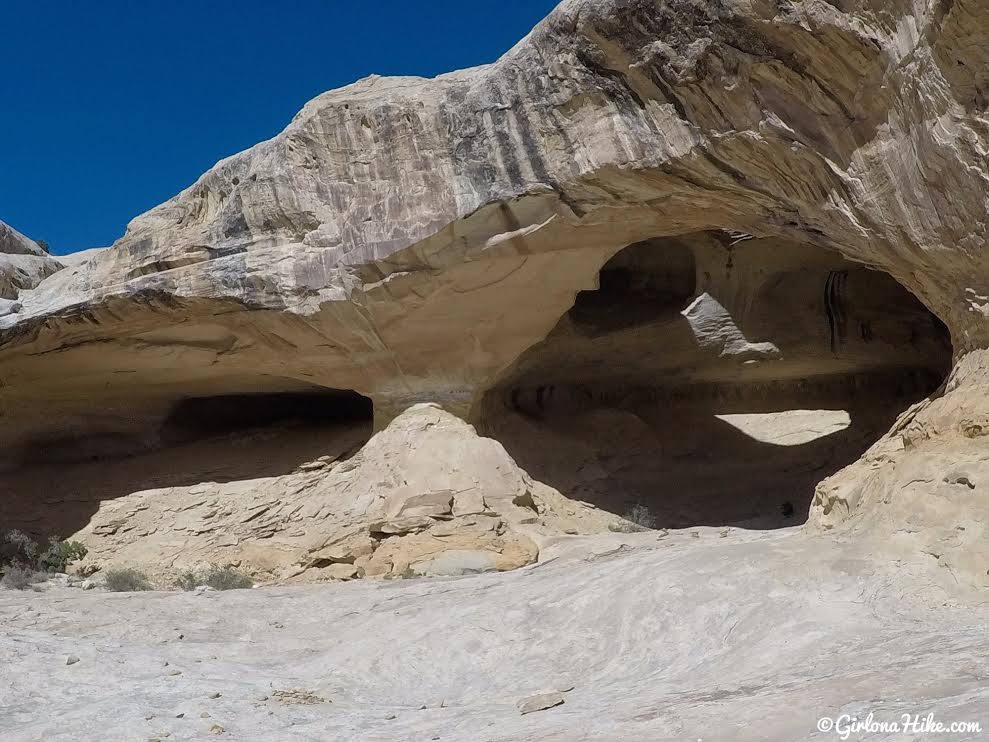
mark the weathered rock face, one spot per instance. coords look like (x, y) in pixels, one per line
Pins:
(23, 265)
(413, 239)
(426, 496)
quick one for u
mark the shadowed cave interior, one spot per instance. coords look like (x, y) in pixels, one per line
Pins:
(716, 379)
(712, 378)
(209, 438)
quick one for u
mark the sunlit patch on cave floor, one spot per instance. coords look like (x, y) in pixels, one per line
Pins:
(788, 427)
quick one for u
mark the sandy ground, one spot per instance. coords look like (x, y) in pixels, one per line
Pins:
(752, 636)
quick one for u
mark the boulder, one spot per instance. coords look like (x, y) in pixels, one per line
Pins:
(540, 702)
(344, 550)
(432, 504)
(470, 502)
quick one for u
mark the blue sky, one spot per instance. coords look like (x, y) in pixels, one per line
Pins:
(108, 108)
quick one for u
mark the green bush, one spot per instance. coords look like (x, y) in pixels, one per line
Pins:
(60, 554)
(56, 557)
(125, 580)
(218, 578)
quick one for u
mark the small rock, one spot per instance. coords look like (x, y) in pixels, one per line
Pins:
(570, 531)
(566, 687)
(456, 562)
(216, 729)
(173, 673)
(469, 502)
(343, 571)
(215, 695)
(204, 715)
(401, 526)
(694, 534)
(298, 696)
(539, 702)
(390, 717)
(432, 504)
(344, 550)
(87, 584)
(180, 715)
(71, 659)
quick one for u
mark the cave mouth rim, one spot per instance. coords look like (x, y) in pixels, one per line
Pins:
(518, 391)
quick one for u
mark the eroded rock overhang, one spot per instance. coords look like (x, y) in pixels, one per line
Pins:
(410, 239)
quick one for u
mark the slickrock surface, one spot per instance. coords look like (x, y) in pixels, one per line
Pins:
(753, 637)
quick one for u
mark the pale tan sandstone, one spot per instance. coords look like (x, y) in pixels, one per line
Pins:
(425, 240)
(333, 522)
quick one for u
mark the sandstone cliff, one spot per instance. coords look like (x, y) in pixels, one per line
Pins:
(808, 180)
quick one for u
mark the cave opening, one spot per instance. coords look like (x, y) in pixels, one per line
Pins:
(196, 418)
(181, 436)
(716, 379)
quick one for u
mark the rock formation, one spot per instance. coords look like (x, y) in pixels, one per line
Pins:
(743, 207)
(426, 496)
(23, 265)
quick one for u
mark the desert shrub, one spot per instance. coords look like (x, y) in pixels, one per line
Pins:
(218, 578)
(19, 576)
(24, 547)
(187, 581)
(126, 580)
(56, 556)
(228, 578)
(60, 554)
(637, 518)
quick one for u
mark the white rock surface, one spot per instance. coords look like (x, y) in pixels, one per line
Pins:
(23, 265)
(746, 638)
